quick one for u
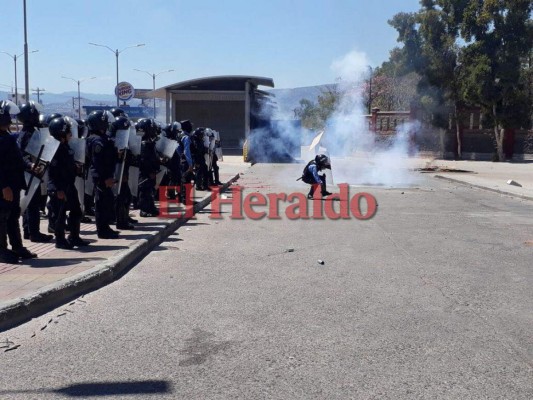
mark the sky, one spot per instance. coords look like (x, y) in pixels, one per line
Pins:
(294, 42)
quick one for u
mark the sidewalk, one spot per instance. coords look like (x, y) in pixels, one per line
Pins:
(488, 175)
(69, 273)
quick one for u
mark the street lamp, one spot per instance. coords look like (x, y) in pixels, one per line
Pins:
(117, 52)
(153, 75)
(78, 81)
(15, 57)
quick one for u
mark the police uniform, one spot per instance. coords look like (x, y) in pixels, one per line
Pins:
(62, 175)
(311, 177)
(198, 155)
(31, 218)
(148, 168)
(123, 199)
(103, 156)
(11, 176)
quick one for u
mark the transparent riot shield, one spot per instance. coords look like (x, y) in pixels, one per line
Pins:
(218, 146)
(80, 188)
(122, 139)
(166, 146)
(134, 142)
(133, 181)
(159, 177)
(42, 145)
(26, 195)
(78, 147)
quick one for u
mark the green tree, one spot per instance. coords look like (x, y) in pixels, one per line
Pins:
(314, 115)
(431, 49)
(493, 70)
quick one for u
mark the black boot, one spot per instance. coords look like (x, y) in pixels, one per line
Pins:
(62, 243)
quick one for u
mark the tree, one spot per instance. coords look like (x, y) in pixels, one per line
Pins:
(314, 115)
(430, 49)
(493, 72)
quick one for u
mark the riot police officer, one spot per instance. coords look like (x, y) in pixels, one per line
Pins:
(119, 133)
(103, 158)
(11, 183)
(172, 132)
(61, 187)
(149, 167)
(184, 150)
(198, 155)
(311, 177)
(29, 117)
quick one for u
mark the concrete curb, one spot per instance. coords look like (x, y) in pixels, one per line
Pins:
(521, 196)
(23, 309)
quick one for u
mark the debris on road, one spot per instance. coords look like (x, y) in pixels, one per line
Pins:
(321, 262)
(513, 183)
(289, 250)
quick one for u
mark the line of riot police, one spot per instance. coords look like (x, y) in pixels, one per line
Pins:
(99, 167)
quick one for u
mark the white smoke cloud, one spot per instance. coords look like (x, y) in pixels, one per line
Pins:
(357, 156)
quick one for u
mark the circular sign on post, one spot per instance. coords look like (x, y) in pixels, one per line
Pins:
(124, 91)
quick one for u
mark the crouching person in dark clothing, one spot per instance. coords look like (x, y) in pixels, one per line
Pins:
(61, 189)
(311, 177)
(11, 183)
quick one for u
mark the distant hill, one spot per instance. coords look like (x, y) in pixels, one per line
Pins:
(286, 99)
(63, 103)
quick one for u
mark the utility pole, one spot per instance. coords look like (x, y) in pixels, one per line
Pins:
(38, 91)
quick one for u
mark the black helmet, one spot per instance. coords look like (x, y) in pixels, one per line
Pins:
(199, 133)
(118, 112)
(119, 124)
(29, 113)
(44, 119)
(172, 130)
(60, 127)
(98, 121)
(148, 128)
(186, 126)
(6, 109)
(322, 161)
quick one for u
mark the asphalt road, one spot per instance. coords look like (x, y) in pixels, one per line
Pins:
(431, 299)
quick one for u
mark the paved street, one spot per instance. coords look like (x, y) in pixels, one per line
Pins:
(431, 298)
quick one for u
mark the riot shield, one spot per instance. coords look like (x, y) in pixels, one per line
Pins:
(78, 147)
(42, 145)
(79, 183)
(166, 147)
(159, 177)
(133, 180)
(218, 147)
(134, 142)
(27, 195)
(89, 185)
(122, 138)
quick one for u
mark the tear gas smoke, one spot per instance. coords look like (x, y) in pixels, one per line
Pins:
(357, 156)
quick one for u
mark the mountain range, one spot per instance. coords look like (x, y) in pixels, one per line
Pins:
(286, 99)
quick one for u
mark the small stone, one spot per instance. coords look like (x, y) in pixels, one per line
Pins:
(321, 262)
(513, 183)
(290, 250)
(402, 192)
(188, 229)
